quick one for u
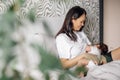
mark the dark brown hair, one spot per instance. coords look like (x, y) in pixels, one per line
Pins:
(104, 48)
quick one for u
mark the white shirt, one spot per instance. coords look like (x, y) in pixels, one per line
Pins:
(70, 49)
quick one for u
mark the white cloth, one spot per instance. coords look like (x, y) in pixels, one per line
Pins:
(70, 49)
(91, 64)
(109, 71)
(95, 51)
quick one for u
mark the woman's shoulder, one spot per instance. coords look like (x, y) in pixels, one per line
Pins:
(62, 36)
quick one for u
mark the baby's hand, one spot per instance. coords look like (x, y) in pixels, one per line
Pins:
(88, 48)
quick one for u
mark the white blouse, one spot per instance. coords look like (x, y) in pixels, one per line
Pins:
(70, 49)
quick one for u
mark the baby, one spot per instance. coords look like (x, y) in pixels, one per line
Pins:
(93, 57)
(98, 50)
(95, 50)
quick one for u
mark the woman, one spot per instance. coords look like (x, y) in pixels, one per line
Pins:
(71, 41)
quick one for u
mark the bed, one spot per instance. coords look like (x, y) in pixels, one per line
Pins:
(109, 71)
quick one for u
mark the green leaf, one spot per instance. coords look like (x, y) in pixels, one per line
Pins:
(31, 15)
(48, 30)
(82, 69)
(48, 61)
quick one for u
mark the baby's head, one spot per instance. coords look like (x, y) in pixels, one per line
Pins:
(104, 48)
(99, 49)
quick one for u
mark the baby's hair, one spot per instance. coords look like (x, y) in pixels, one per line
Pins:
(104, 48)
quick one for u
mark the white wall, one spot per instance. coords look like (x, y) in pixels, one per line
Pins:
(112, 23)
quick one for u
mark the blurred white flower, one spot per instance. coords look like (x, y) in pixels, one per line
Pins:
(37, 75)
(54, 74)
(2, 61)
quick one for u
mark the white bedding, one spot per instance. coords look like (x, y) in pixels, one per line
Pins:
(109, 71)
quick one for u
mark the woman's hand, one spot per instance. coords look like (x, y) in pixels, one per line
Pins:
(82, 62)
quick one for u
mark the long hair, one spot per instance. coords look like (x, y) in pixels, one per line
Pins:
(67, 28)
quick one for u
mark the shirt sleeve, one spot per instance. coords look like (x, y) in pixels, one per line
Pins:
(63, 46)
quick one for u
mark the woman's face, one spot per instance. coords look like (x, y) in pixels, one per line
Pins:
(78, 23)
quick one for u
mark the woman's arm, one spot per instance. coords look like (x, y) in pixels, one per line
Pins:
(68, 63)
(116, 54)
